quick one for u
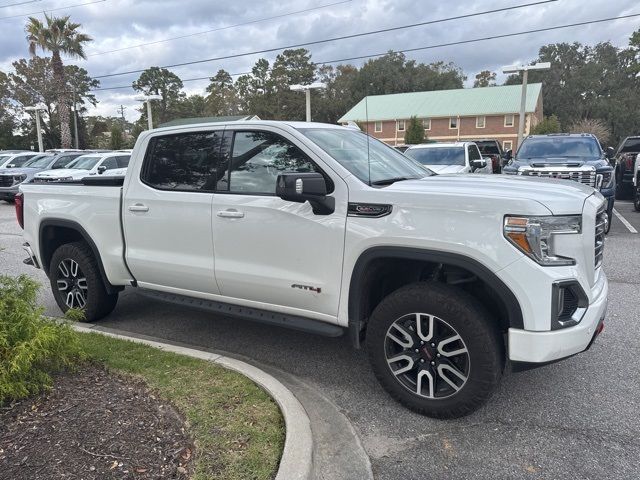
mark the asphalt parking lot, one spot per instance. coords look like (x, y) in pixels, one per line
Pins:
(573, 419)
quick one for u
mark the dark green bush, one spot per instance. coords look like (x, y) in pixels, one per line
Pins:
(31, 347)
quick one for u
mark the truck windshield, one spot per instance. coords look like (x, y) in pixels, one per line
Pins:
(375, 163)
(437, 155)
(84, 163)
(559, 147)
(41, 161)
(20, 161)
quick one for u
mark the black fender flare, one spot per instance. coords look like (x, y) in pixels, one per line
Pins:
(356, 316)
(71, 225)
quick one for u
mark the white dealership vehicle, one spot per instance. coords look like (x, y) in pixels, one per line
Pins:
(86, 165)
(455, 157)
(447, 279)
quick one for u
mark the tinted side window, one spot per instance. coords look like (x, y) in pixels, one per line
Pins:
(110, 163)
(259, 157)
(474, 154)
(123, 161)
(184, 161)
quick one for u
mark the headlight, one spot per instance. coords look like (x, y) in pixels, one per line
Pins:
(607, 179)
(62, 179)
(19, 179)
(533, 236)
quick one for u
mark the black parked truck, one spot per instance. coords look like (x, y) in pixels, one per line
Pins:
(567, 156)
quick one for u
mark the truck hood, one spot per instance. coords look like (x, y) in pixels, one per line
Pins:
(64, 172)
(561, 197)
(17, 171)
(538, 162)
(443, 169)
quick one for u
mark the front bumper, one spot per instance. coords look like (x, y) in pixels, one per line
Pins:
(548, 346)
(9, 193)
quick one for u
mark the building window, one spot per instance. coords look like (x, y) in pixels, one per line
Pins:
(453, 122)
(507, 145)
(426, 123)
(508, 120)
(401, 125)
(480, 121)
(377, 127)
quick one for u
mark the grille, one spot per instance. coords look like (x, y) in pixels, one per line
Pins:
(6, 180)
(587, 177)
(601, 226)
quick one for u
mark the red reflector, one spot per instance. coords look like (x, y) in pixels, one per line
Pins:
(600, 328)
(19, 199)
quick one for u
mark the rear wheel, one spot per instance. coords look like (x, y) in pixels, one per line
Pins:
(76, 282)
(636, 201)
(434, 349)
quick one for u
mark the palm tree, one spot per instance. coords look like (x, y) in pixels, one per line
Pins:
(59, 36)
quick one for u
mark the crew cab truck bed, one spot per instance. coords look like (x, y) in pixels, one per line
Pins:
(443, 278)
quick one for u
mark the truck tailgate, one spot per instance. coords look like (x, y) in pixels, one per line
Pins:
(94, 211)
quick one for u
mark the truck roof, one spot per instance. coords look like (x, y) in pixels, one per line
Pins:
(273, 123)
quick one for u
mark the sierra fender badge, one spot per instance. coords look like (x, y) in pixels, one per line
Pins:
(307, 287)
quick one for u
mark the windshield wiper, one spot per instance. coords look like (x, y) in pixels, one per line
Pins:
(389, 181)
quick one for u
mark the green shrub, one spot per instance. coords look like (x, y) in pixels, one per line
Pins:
(31, 347)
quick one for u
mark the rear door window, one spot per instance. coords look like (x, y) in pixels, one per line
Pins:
(183, 162)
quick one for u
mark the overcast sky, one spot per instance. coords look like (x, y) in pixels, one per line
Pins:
(117, 24)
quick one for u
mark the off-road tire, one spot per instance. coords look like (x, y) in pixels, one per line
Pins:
(471, 321)
(99, 303)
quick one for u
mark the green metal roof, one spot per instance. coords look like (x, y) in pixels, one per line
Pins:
(192, 120)
(444, 103)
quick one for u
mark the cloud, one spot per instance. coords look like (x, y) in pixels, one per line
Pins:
(115, 24)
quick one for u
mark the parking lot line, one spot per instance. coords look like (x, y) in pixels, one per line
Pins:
(624, 221)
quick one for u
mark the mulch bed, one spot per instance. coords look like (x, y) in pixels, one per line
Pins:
(94, 424)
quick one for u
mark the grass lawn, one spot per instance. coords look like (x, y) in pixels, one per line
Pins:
(237, 428)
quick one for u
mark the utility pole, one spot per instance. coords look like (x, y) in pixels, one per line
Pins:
(523, 96)
(121, 112)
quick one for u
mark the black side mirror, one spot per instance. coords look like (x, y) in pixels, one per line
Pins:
(11, 165)
(303, 187)
(508, 155)
(101, 169)
(476, 164)
(610, 153)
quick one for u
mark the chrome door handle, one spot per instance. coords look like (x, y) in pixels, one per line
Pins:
(138, 207)
(230, 214)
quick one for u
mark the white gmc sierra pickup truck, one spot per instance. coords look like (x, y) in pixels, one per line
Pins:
(446, 280)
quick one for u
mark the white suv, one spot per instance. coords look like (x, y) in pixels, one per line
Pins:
(455, 157)
(86, 165)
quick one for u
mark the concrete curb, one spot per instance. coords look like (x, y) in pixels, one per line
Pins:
(297, 455)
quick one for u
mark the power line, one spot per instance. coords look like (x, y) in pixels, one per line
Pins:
(428, 47)
(250, 22)
(343, 37)
(52, 9)
(19, 3)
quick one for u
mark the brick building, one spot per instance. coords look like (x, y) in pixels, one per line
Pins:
(450, 115)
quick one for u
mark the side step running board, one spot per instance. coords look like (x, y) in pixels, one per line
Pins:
(263, 316)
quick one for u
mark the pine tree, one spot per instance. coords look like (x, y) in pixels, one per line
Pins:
(414, 133)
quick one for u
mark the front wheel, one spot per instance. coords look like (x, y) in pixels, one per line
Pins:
(636, 200)
(434, 349)
(76, 282)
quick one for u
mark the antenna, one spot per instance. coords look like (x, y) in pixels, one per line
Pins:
(366, 113)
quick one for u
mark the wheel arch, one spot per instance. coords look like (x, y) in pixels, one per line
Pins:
(54, 233)
(359, 305)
